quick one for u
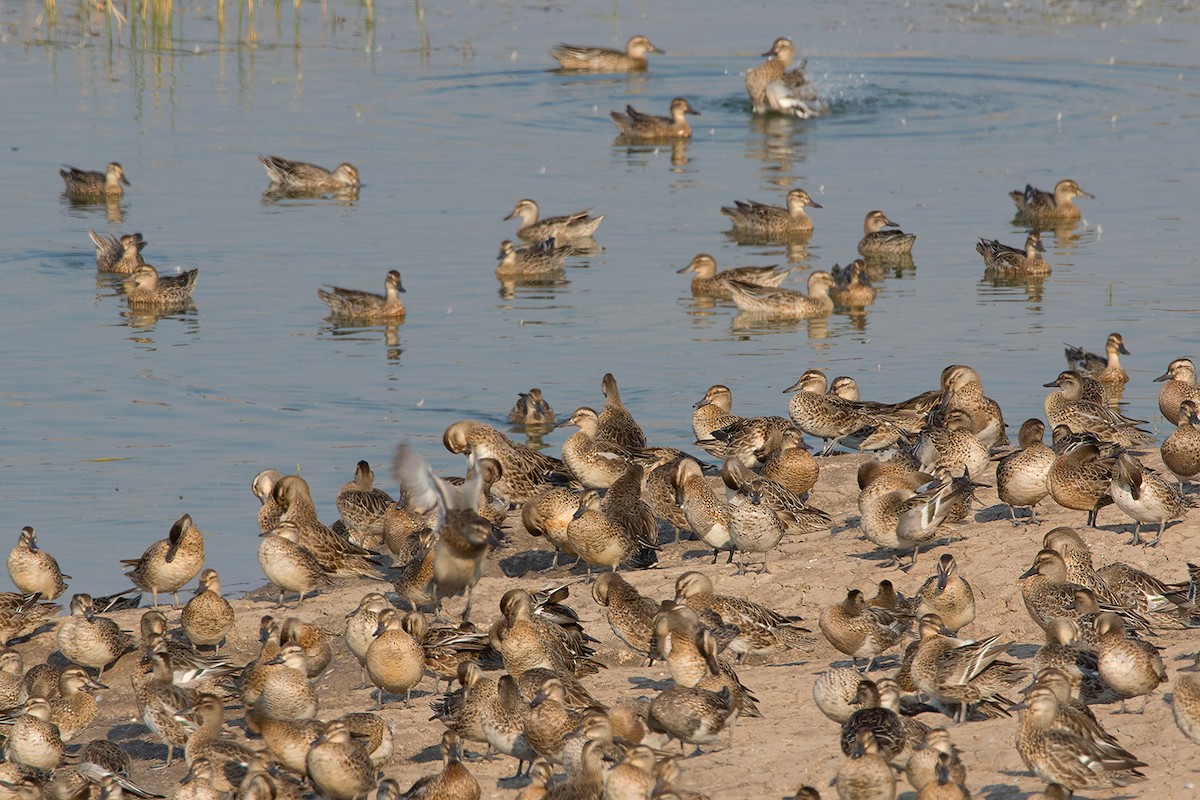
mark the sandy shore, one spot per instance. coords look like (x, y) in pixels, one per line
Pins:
(793, 743)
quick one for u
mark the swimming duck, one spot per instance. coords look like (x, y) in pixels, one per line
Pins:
(1034, 204)
(773, 87)
(778, 302)
(565, 229)
(120, 255)
(640, 126)
(877, 241)
(754, 217)
(354, 304)
(710, 283)
(582, 58)
(145, 288)
(1179, 384)
(1106, 368)
(852, 288)
(298, 176)
(83, 184)
(531, 408)
(540, 260)
(1005, 260)
(35, 570)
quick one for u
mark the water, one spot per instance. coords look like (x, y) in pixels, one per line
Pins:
(113, 425)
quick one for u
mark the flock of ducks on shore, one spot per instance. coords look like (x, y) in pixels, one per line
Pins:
(603, 503)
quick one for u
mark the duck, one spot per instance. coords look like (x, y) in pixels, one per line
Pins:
(897, 511)
(361, 505)
(269, 510)
(706, 513)
(1002, 259)
(1185, 700)
(713, 411)
(859, 631)
(463, 538)
(75, 707)
(118, 254)
(462, 710)
(542, 260)
(710, 283)
(1180, 451)
(598, 538)
(336, 554)
(145, 288)
(197, 784)
(1021, 476)
(565, 229)
(313, 640)
(877, 241)
(754, 526)
(207, 618)
(1179, 384)
(786, 303)
(288, 564)
(690, 714)
(852, 287)
(300, 177)
(640, 126)
(1037, 205)
(748, 439)
(503, 721)
(616, 424)
(760, 629)
(33, 570)
(1146, 496)
(948, 595)
(961, 672)
(594, 463)
(230, 760)
(395, 660)
(550, 721)
(287, 692)
(962, 388)
(789, 463)
(772, 87)
(1106, 368)
(169, 564)
(951, 445)
(90, 640)
(1064, 758)
(454, 782)
(361, 624)
(834, 692)
(525, 471)
(630, 615)
(865, 774)
(34, 740)
(1067, 407)
(936, 750)
(163, 706)
(883, 723)
(339, 768)
(1130, 667)
(583, 58)
(1080, 476)
(357, 305)
(84, 184)
(751, 216)
(818, 413)
(531, 409)
(190, 668)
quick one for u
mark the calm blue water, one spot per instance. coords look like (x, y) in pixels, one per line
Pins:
(114, 425)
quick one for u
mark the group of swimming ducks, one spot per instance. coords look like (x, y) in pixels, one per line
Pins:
(603, 502)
